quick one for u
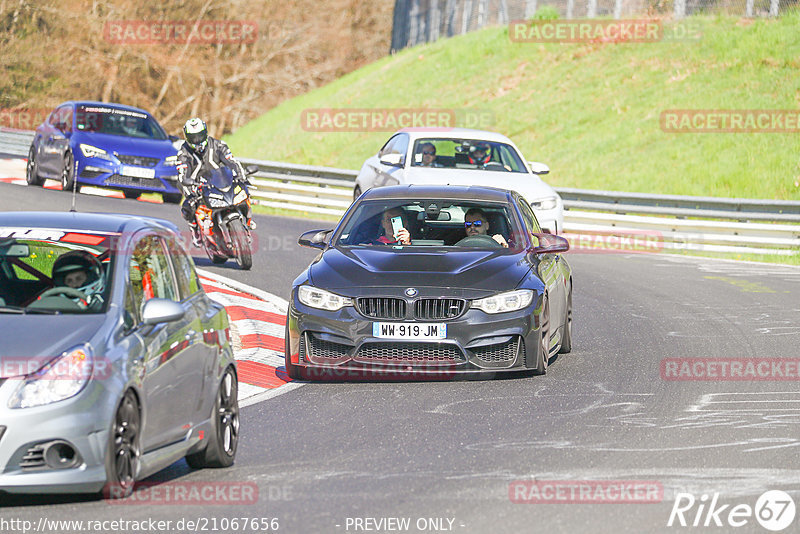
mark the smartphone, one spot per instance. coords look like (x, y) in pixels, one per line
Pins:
(397, 224)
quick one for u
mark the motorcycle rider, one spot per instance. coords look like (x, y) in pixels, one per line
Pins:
(201, 150)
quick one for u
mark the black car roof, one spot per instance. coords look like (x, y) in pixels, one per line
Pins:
(99, 222)
(450, 192)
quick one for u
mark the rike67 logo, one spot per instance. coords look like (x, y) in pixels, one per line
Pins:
(774, 510)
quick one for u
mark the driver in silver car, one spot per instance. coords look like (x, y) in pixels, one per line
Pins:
(81, 271)
(476, 223)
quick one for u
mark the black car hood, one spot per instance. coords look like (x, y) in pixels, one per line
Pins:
(30, 341)
(481, 271)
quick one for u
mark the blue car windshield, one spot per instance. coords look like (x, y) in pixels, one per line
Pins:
(116, 121)
(48, 271)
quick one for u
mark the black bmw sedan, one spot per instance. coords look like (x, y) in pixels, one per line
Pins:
(430, 281)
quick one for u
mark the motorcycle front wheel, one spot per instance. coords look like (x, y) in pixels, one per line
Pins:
(241, 245)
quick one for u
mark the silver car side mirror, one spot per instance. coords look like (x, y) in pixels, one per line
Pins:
(156, 311)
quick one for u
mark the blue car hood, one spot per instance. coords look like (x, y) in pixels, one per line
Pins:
(481, 271)
(29, 341)
(136, 146)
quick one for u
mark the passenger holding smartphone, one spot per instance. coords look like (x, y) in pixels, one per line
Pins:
(393, 229)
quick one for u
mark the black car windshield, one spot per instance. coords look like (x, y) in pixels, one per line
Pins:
(116, 121)
(466, 154)
(45, 271)
(432, 223)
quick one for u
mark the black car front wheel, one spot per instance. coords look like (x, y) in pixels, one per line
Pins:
(68, 173)
(544, 339)
(32, 169)
(220, 449)
(566, 337)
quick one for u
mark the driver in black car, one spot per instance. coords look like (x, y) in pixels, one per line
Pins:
(476, 223)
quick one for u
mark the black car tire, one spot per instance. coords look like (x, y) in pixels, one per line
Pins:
(566, 337)
(68, 173)
(241, 245)
(543, 357)
(292, 371)
(132, 194)
(32, 169)
(220, 449)
(171, 198)
(122, 450)
(356, 192)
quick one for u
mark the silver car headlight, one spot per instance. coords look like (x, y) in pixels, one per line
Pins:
(544, 204)
(93, 152)
(321, 299)
(59, 380)
(505, 302)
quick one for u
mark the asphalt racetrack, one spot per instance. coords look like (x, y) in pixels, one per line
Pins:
(461, 456)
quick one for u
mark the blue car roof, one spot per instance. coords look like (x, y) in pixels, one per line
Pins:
(98, 222)
(106, 104)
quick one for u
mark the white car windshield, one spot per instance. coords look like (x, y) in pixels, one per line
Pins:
(466, 154)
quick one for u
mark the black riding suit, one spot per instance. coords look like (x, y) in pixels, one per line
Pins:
(191, 163)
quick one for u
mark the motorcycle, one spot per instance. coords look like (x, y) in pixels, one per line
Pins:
(222, 217)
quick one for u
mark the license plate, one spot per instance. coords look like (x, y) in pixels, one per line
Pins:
(138, 172)
(409, 330)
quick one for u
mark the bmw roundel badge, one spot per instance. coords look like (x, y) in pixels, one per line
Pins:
(411, 292)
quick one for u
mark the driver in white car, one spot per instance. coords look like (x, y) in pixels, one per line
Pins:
(476, 223)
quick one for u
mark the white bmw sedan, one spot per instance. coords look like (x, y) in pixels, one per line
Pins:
(462, 157)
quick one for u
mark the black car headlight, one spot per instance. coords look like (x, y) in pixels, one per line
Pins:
(314, 297)
(62, 378)
(505, 302)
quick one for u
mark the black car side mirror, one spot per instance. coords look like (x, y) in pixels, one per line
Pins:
(548, 243)
(314, 239)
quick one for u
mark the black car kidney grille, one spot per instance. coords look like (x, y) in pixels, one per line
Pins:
(139, 161)
(382, 308)
(322, 349)
(438, 309)
(499, 352)
(410, 352)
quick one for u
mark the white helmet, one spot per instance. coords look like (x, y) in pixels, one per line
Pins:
(79, 260)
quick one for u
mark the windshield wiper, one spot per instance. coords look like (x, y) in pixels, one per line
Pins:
(42, 310)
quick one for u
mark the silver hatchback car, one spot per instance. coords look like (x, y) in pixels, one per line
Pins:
(114, 363)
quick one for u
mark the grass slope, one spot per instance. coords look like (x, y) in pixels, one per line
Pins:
(590, 111)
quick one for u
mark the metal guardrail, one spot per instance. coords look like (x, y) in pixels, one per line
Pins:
(681, 222)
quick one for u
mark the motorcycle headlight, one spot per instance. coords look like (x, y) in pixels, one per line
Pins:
(59, 380)
(548, 203)
(321, 299)
(504, 302)
(171, 161)
(240, 197)
(93, 152)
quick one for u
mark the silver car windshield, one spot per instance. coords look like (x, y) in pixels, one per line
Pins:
(466, 154)
(51, 271)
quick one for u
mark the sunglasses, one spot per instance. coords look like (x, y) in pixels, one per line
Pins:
(429, 153)
(476, 224)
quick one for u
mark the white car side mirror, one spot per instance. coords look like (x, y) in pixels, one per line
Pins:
(392, 160)
(538, 168)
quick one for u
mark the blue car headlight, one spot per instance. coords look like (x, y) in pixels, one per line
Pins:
(505, 302)
(62, 378)
(314, 297)
(93, 152)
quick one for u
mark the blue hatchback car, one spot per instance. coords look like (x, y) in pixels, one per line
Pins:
(105, 145)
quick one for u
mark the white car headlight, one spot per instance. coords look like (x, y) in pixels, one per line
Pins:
(548, 203)
(171, 161)
(505, 302)
(93, 152)
(321, 299)
(60, 379)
